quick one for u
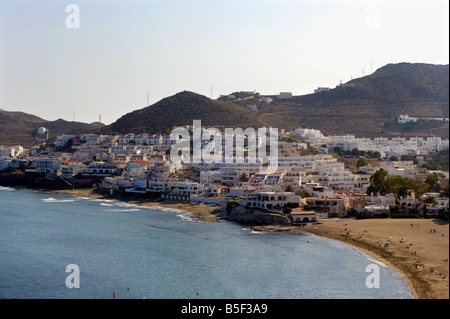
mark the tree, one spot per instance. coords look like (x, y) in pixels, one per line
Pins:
(406, 158)
(243, 178)
(364, 215)
(396, 209)
(430, 200)
(445, 191)
(419, 187)
(439, 162)
(289, 188)
(337, 149)
(433, 181)
(305, 195)
(397, 185)
(376, 154)
(393, 159)
(361, 162)
(377, 181)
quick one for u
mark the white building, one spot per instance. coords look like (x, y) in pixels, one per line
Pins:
(321, 89)
(47, 165)
(284, 96)
(187, 188)
(403, 119)
(70, 168)
(101, 169)
(270, 200)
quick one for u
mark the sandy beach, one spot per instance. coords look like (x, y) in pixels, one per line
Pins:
(418, 249)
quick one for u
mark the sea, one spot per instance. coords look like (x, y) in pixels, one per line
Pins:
(56, 246)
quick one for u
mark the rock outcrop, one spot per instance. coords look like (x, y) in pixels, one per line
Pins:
(252, 216)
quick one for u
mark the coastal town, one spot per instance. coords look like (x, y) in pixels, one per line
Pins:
(312, 180)
(220, 158)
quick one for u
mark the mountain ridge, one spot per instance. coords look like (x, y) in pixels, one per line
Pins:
(18, 128)
(182, 109)
(365, 106)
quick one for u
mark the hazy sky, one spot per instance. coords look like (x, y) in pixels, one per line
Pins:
(125, 49)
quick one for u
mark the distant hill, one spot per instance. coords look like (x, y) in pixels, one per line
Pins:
(368, 106)
(365, 106)
(393, 83)
(18, 128)
(181, 109)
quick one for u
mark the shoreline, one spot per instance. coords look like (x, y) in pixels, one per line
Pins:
(425, 250)
(423, 285)
(385, 261)
(200, 212)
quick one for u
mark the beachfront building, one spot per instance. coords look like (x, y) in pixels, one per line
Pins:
(162, 185)
(187, 188)
(334, 207)
(379, 200)
(409, 203)
(439, 207)
(101, 169)
(214, 191)
(298, 215)
(270, 200)
(47, 165)
(70, 168)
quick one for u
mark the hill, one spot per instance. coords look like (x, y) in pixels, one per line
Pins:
(393, 83)
(18, 128)
(368, 106)
(181, 109)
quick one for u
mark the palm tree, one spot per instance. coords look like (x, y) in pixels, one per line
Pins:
(243, 178)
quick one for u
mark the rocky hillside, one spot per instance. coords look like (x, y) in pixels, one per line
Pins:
(181, 109)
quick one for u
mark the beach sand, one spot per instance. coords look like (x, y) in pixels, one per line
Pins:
(421, 258)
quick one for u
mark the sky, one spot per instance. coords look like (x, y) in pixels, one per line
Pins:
(108, 57)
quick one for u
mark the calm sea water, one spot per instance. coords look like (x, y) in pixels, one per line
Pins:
(161, 253)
